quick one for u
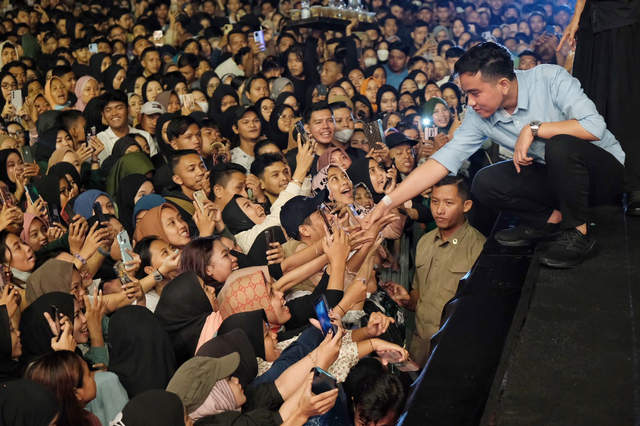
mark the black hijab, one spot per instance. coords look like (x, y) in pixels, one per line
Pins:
(367, 102)
(49, 189)
(182, 311)
(216, 100)
(166, 149)
(35, 332)
(204, 82)
(9, 369)
(93, 114)
(154, 408)
(235, 219)
(273, 132)
(283, 97)
(257, 254)
(47, 144)
(47, 120)
(264, 123)
(27, 403)
(4, 155)
(359, 173)
(118, 151)
(127, 191)
(252, 324)
(381, 91)
(235, 340)
(144, 88)
(141, 353)
(110, 75)
(95, 66)
(62, 169)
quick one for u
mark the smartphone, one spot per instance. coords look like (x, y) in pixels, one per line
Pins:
(270, 237)
(121, 273)
(227, 28)
(201, 198)
(93, 48)
(394, 358)
(125, 244)
(174, 6)
(97, 210)
(32, 193)
(304, 136)
(6, 196)
(430, 132)
(54, 214)
(258, 37)
(322, 312)
(548, 30)
(322, 381)
(157, 37)
(324, 218)
(322, 90)
(27, 154)
(55, 316)
(487, 36)
(187, 101)
(16, 99)
(68, 214)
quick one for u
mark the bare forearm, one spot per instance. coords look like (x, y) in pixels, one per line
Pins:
(293, 376)
(568, 127)
(300, 274)
(303, 256)
(422, 178)
(336, 279)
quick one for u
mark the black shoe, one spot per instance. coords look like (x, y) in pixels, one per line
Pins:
(523, 235)
(569, 250)
(633, 203)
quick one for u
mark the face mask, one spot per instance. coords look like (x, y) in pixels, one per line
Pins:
(343, 135)
(369, 62)
(204, 106)
(383, 54)
(422, 86)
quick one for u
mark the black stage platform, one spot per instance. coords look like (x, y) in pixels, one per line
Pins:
(528, 345)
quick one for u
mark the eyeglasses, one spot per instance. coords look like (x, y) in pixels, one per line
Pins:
(17, 134)
(7, 86)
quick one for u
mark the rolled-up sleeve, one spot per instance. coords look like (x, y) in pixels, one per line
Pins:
(569, 97)
(466, 141)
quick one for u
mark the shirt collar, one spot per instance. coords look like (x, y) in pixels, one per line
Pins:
(523, 102)
(457, 236)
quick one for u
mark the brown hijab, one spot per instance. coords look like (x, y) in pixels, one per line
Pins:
(58, 156)
(54, 275)
(151, 224)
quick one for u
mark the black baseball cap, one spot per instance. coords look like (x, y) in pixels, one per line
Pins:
(397, 138)
(297, 210)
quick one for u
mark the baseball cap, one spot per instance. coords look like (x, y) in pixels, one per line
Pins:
(152, 107)
(239, 112)
(297, 209)
(397, 138)
(195, 378)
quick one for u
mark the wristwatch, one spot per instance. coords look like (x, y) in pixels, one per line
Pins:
(157, 275)
(535, 125)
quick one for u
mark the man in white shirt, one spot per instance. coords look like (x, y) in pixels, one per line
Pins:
(116, 111)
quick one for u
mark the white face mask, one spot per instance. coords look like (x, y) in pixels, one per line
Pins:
(422, 86)
(369, 62)
(383, 54)
(344, 135)
(204, 106)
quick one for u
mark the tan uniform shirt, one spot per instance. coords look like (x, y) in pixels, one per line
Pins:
(439, 267)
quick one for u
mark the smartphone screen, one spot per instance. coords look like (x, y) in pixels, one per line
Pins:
(6, 195)
(68, 214)
(322, 90)
(125, 244)
(322, 312)
(93, 48)
(121, 273)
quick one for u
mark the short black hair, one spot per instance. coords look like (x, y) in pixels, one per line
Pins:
(261, 144)
(339, 105)
(265, 160)
(529, 53)
(68, 118)
(221, 173)
(177, 156)
(493, 60)
(143, 249)
(398, 45)
(443, 3)
(178, 126)
(454, 52)
(314, 107)
(14, 64)
(148, 50)
(460, 182)
(377, 396)
(339, 64)
(188, 60)
(114, 96)
(419, 24)
(60, 70)
(386, 18)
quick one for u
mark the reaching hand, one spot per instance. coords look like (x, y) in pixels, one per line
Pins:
(11, 299)
(337, 250)
(54, 233)
(329, 349)
(84, 153)
(171, 263)
(304, 157)
(569, 34)
(311, 405)
(275, 255)
(397, 292)
(95, 312)
(204, 221)
(65, 342)
(378, 324)
(77, 232)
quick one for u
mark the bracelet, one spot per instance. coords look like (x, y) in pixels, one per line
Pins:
(311, 358)
(81, 259)
(296, 181)
(371, 343)
(343, 311)
(387, 200)
(104, 253)
(95, 161)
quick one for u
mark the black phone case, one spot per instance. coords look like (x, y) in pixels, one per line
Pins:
(322, 382)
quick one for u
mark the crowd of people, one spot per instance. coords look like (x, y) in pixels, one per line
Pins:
(200, 199)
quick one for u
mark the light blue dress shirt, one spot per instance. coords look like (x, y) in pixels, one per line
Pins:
(547, 93)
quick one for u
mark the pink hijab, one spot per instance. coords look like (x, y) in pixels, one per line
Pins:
(28, 220)
(80, 105)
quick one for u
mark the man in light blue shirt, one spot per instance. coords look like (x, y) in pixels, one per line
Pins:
(564, 159)
(396, 68)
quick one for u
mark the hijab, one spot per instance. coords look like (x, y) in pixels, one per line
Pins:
(204, 81)
(251, 325)
(125, 196)
(182, 311)
(35, 332)
(384, 89)
(246, 290)
(141, 353)
(235, 219)
(30, 46)
(216, 100)
(131, 163)
(257, 254)
(80, 105)
(9, 369)
(40, 281)
(4, 156)
(163, 98)
(283, 97)
(430, 106)
(27, 403)
(146, 203)
(62, 169)
(278, 85)
(95, 66)
(366, 101)
(363, 91)
(48, 187)
(110, 75)
(359, 173)
(46, 121)
(325, 158)
(84, 202)
(165, 148)
(58, 156)
(47, 143)
(26, 227)
(144, 88)
(235, 340)
(151, 223)
(272, 130)
(153, 408)
(247, 87)
(49, 96)
(93, 114)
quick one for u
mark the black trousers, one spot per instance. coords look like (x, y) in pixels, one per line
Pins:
(577, 174)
